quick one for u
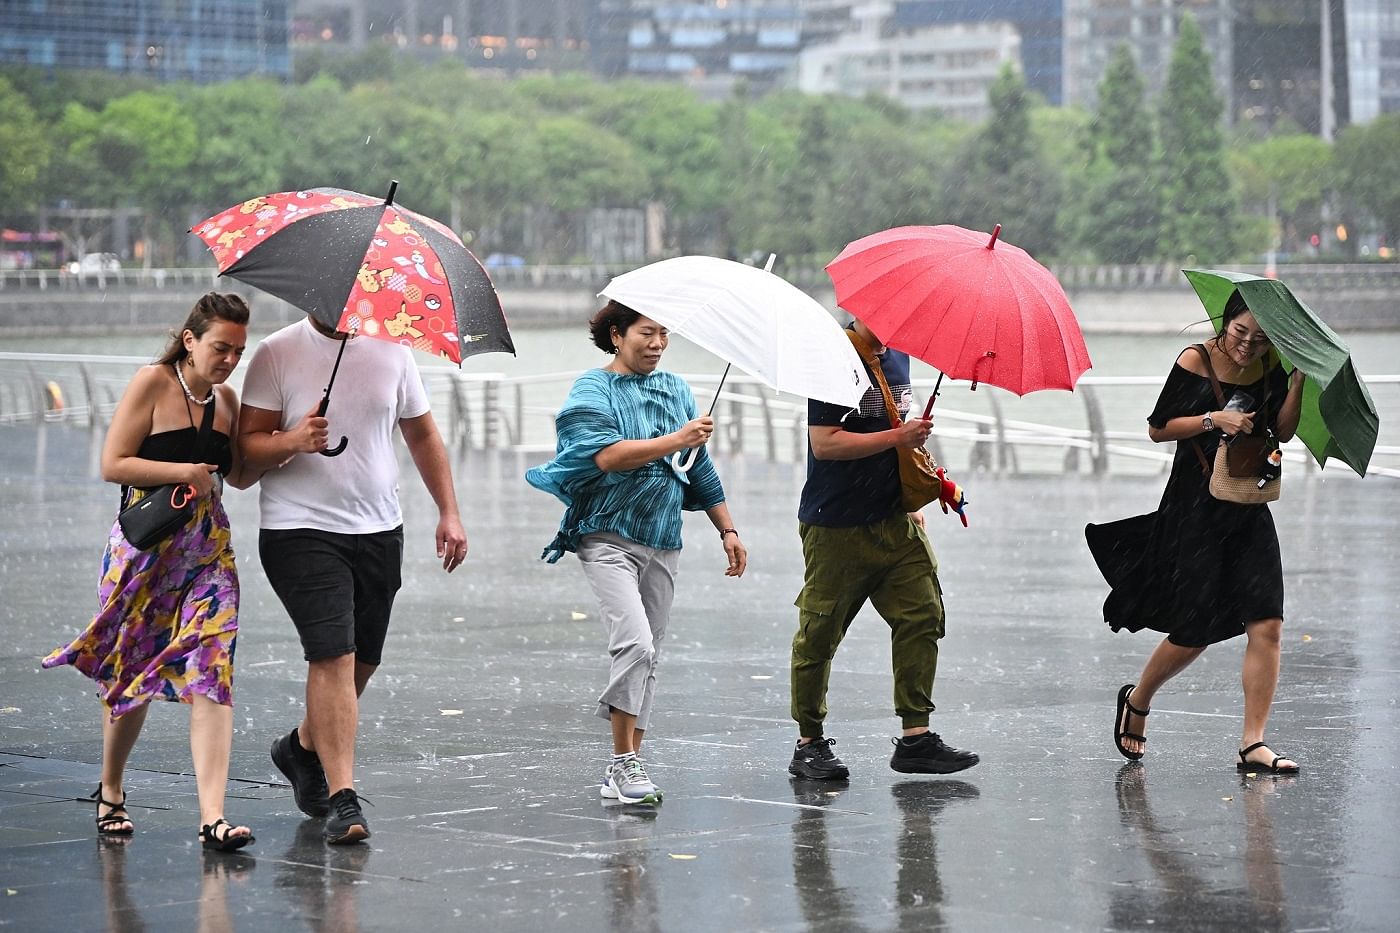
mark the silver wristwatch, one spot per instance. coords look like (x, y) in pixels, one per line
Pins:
(1208, 422)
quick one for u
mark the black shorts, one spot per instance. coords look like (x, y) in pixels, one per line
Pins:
(338, 588)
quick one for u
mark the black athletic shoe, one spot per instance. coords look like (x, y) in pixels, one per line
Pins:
(816, 762)
(926, 754)
(347, 823)
(303, 771)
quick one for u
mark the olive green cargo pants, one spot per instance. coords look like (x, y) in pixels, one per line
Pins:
(891, 564)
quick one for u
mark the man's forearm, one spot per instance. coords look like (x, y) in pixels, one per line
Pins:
(849, 445)
(430, 457)
(263, 450)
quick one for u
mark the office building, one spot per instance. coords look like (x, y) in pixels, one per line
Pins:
(195, 40)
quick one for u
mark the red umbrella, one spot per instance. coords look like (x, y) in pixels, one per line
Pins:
(362, 265)
(965, 304)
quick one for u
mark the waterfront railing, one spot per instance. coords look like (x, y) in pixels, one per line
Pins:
(1098, 429)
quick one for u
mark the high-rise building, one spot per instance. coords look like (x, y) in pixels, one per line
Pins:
(1290, 64)
(1038, 22)
(1095, 28)
(708, 44)
(194, 40)
(503, 34)
(949, 68)
(1371, 64)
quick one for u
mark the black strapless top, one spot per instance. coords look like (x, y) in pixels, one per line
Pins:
(174, 447)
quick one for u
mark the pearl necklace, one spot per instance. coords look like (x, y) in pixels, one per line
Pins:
(188, 394)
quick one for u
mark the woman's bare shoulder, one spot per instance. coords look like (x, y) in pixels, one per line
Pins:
(1191, 361)
(150, 380)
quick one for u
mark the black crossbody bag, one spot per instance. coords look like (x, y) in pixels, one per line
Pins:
(165, 509)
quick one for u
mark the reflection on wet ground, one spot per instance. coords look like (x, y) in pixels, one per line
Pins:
(480, 756)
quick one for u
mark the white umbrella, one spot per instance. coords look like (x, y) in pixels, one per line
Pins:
(752, 319)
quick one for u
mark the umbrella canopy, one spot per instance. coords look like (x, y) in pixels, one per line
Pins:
(965, 304)
(362, 264)
(1338, 418)
(751, 318)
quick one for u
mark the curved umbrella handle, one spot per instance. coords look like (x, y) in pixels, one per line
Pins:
(338, 449)
(683, 460)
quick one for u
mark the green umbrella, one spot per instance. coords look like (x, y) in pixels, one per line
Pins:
(1338, 419)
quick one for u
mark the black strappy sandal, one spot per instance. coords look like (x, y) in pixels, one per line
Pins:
(212, 839)
(1120, 726)
(114, 817)
(1256, 766)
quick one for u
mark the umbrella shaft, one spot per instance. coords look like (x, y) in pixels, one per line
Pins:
(715, 401)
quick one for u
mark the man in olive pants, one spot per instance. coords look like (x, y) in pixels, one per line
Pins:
(859, 545)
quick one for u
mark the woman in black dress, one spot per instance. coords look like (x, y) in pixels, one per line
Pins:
(1199, 569)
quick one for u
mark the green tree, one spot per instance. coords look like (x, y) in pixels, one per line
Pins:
(27, 149)
(803, 187)
(1284, 178)
(242, 142)
(1001, 177)
(1200, 206)
(581, 166)
(331, 137)
(1369, 189)
(886, 176)
(76, 174)
(1119, 206)
(491, 164)
(51, 90)
(674, 135)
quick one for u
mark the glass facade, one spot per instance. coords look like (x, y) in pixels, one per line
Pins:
(189, 40)
(756, 39)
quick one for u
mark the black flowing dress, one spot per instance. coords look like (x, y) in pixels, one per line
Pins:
(1197, 569)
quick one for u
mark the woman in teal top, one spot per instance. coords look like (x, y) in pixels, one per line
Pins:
(616, 433)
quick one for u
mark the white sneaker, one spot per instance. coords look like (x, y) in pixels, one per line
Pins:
(627, 782)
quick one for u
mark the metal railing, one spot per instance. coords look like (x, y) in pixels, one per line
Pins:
(1096, 430)
(1325, 277)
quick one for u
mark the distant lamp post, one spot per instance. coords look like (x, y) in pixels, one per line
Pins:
(1271, 261)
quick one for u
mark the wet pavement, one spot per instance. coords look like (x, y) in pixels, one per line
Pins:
(480, 755)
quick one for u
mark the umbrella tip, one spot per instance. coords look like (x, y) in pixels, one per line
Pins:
(768, 266)
(393, 186)
(996, 232)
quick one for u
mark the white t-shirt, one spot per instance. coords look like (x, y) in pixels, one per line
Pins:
(378, 384)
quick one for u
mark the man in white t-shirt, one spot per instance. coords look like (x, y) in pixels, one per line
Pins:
(331, 538)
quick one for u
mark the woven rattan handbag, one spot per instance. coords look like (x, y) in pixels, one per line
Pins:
(1241, 462)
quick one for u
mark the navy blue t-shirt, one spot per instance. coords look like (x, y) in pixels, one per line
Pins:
(845, 493)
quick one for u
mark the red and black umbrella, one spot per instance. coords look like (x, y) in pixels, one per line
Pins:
(364, 266)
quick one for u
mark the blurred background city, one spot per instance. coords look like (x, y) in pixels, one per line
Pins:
(1117, 141)
(615, 131)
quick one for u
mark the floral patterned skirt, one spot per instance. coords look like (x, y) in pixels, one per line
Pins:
(167, 621)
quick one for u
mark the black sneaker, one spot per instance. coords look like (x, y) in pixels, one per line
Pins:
(347, 823)
(303, 771)
(926, 754)
(816, 762)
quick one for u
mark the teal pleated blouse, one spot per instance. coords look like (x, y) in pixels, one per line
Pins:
(644, 504)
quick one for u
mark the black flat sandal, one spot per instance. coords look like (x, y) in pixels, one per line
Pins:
(107, 824)
(1120, 726)
(213, 840)
(1272, 767)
